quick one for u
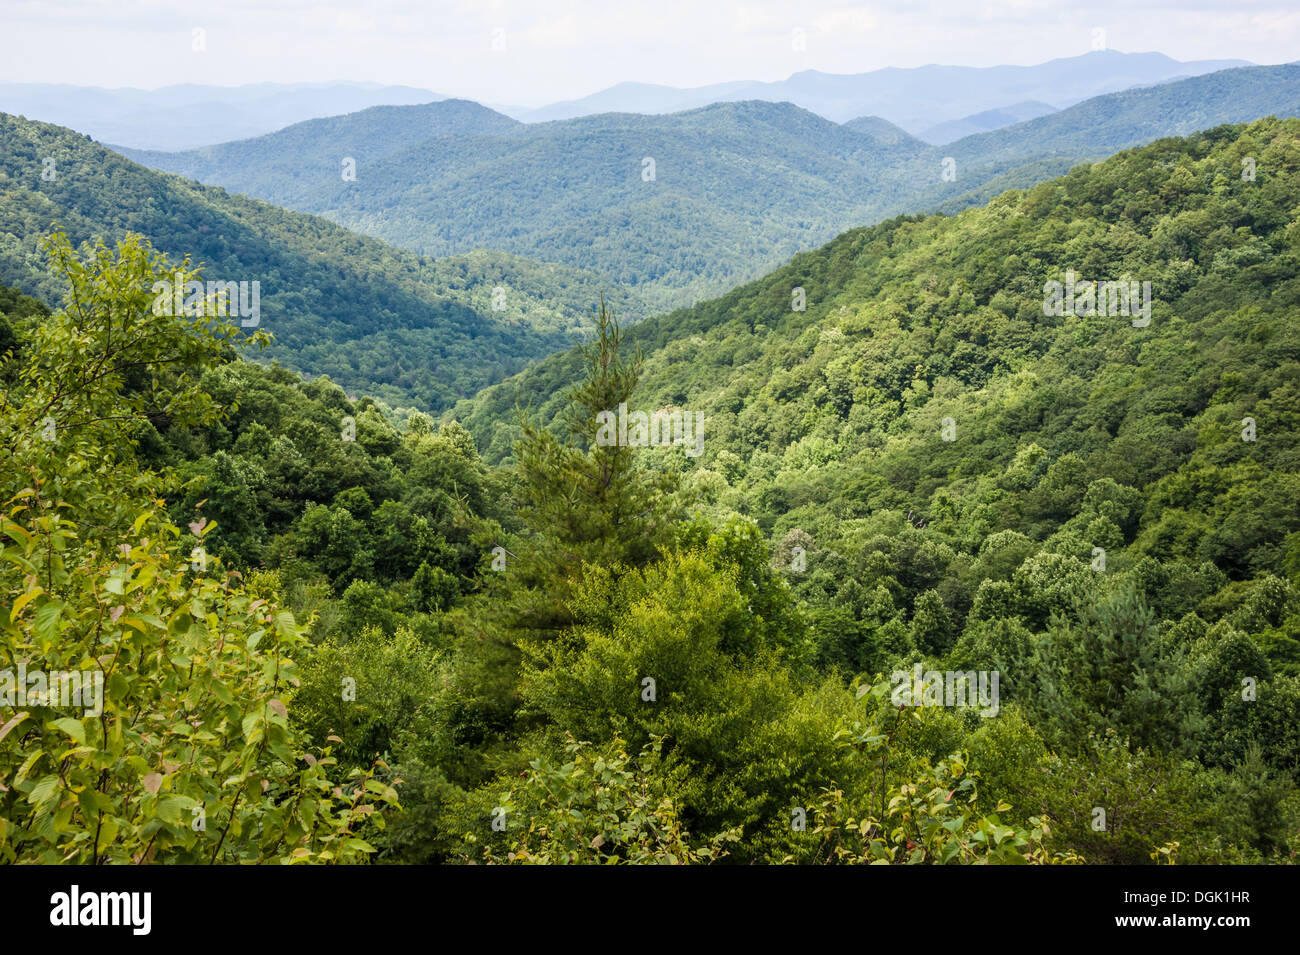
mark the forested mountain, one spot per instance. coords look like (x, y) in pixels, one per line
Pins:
(289, 166)
(1100, 126)
(737, 188)
(918, 458)
(969, 478)
(1020, 156)
(674, 206)
(984, 121)
(375, 318)
(884, 132)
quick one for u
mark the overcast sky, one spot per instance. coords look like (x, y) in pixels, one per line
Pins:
(563, 49)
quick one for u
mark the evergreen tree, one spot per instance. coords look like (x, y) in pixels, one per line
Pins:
(584, 503)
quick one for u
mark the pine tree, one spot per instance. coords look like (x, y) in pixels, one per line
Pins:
(583, 503)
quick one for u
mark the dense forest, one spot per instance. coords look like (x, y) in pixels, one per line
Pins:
(409, 329)
(334, 632)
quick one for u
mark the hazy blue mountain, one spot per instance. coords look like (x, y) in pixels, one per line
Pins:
(289, 167)
(984, 122)
(647, 98)
(189, 115)
(1024, 154)
(1106, 124)
(916, 99)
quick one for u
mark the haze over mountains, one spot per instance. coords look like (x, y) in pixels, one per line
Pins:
(682, 206)
(936, 103)
(989, 119)
(916, 99)
(186, 116)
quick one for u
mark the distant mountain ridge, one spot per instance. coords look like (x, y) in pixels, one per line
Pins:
(917, 98)
(676, 206)
(187, 116)
(311, 152)
(985, 121)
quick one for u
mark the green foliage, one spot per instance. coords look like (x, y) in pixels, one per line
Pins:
(1097, 535)
(361, 693)
(596, 807)
(1098, 531)
(915, 811)
(1107, 670)
(183, 751)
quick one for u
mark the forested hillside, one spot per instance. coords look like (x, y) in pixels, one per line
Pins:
(568, 649)
(1018, 156)
(411, 329)
(289, 166)
(681, 207)
(676, 207)
(1127, 468)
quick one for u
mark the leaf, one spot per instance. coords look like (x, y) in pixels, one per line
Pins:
(108, 831)
(170, 808)
(44, 791)
(4, 730)
(285, 625)
(23, 601)
(72, 727)
(152, 783)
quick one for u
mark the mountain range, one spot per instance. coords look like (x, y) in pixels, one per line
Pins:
(917, 99)
(936, 103)
(504, 233)
(682, 206)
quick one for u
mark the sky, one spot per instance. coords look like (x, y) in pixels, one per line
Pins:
(532, 52)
